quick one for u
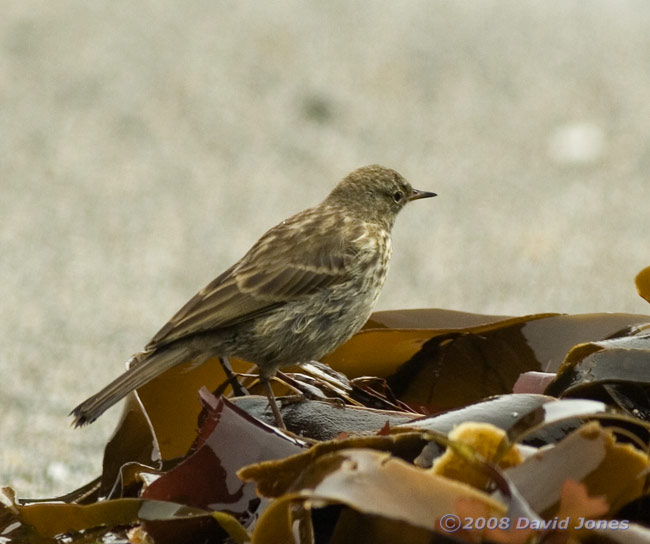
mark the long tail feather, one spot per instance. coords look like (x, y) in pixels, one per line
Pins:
(140, 373)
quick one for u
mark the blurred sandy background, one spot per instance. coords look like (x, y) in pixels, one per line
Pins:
(144, 146)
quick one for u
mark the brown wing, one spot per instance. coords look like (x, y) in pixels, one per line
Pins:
(296, 258)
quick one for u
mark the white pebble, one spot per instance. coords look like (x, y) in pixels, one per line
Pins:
(58, 472)
(576, 143)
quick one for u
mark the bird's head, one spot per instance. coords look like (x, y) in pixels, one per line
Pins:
(374, 193)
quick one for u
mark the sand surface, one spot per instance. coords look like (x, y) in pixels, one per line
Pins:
(144, 146)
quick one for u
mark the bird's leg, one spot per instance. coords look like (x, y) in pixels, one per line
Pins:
(231, 378)
(266, 383)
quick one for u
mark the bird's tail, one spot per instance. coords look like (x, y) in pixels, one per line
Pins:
(143, 368)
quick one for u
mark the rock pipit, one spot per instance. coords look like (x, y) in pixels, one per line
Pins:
(303, 289)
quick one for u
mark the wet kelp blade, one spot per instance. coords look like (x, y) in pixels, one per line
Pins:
(617, 369)
(643, 283)
(364, 480)
(43, 522)
(434, 367)
(320, 420)
(228, 440)
(590, 454)
(172, 405)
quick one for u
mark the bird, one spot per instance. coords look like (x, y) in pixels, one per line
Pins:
(304, 288)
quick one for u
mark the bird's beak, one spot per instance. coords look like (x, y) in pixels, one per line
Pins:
(416, 195)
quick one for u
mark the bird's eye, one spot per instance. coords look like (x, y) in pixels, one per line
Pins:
(397, 196)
